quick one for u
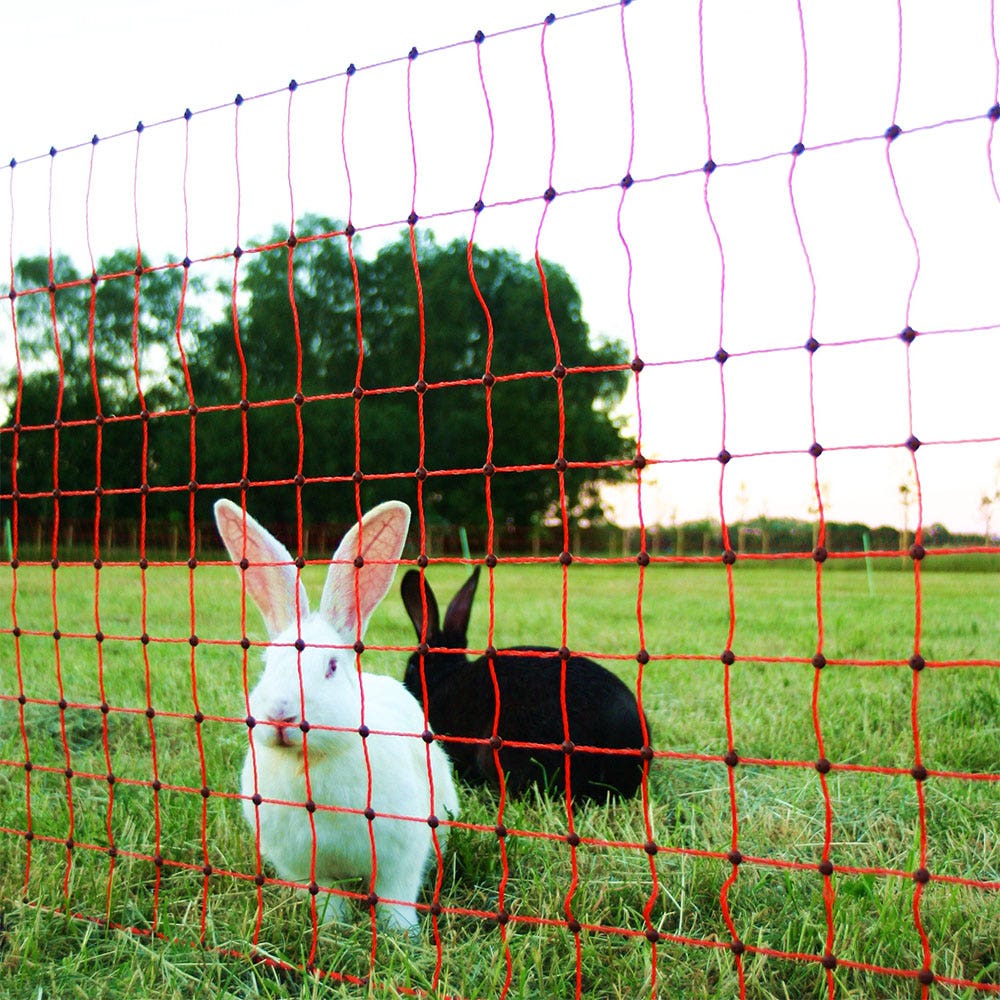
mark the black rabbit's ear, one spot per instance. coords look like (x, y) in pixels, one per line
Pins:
(456, 618)
(413, 600)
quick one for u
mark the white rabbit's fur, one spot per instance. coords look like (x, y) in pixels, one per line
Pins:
(321, 683)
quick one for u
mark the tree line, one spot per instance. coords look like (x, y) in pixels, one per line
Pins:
(147, 390)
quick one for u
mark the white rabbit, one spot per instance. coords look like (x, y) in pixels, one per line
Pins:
(310, 682)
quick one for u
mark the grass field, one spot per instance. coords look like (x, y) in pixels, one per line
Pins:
(204, 927)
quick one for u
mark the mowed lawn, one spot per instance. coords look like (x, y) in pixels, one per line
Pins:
(189, 934)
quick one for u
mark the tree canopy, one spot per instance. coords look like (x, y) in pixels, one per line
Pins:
(334, 366)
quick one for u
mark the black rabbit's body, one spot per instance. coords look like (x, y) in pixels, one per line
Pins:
(601, 711)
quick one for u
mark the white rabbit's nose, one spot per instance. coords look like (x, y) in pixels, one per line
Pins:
(279, 724)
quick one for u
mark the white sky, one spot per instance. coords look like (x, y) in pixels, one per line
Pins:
(70, 71)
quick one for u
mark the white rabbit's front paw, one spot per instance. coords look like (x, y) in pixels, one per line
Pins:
(398, 917)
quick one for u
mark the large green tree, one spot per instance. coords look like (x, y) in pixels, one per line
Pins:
(377, 332)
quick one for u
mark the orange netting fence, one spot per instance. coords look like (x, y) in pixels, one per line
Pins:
(109, 687)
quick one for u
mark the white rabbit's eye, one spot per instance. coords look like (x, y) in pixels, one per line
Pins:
(331, 667)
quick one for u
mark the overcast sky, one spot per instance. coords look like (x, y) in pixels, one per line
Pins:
(929, 259)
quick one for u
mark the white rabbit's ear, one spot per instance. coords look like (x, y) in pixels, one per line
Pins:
(353, 591)
(268, 571)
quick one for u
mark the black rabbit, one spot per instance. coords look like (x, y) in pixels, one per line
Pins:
(460, 698)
